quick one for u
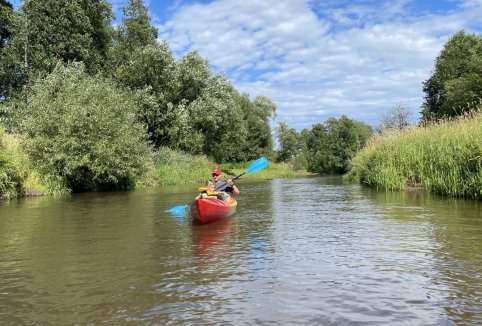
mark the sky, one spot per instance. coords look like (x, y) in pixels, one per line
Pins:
(317, 59)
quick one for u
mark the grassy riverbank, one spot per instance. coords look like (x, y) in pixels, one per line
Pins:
(444, 158)
(173, 168)
(19, 176)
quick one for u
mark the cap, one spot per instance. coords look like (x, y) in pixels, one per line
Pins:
(217, 171)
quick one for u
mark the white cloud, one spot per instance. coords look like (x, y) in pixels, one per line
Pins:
(320, 59)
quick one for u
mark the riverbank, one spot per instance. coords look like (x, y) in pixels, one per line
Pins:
(443, 158)
(175, 168)
(19, 178)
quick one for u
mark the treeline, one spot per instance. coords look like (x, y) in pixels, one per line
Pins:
(325, 148)
(85, 105)
(93, 106)
(181, 103)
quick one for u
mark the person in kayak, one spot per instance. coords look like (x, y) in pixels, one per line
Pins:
(210, 192)
(224, 186)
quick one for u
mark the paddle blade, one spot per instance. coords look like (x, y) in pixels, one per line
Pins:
(177, 210)
(257, 165)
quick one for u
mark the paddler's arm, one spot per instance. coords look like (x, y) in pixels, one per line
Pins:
(231, 184)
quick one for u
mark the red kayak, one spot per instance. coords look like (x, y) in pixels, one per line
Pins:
(208, 210)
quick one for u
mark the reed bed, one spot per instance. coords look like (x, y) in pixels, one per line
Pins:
(444, 158)
(171, 167)
(18, 177)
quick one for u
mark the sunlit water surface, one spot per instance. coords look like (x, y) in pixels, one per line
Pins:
(310, 251)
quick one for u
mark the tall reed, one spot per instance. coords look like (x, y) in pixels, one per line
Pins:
(171, 167)
(17, 174)
(443, 157)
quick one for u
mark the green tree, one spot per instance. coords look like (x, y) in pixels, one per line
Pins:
(194, 76)
(455, 85)
(288, 142)
(6, 10)
(259, 141)
(331, 145)
(64, 30)
(11, 65)
(45, 32)
(218, 117)
(347, 137)
(133, 33)
(82, 130)
(320, 156)
(153, 72)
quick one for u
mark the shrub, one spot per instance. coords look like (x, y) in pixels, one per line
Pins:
(82, 130)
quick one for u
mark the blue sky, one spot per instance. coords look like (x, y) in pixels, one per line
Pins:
(320, 58)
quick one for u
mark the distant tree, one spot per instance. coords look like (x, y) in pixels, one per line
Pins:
(331, 145)
(288, 142)
(398, 117)
(259, 141)
(455, 85)
(320, 157)
(347, 137)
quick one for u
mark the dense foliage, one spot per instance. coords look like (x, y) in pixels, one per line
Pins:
(455, 85)
(10, 176)
(327, 147)
(85, 97)
(98, 107)
(83, 131)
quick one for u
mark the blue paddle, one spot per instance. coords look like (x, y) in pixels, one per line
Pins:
(256, 166)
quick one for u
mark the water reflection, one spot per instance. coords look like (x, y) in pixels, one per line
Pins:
(298, 251)
(452, 248)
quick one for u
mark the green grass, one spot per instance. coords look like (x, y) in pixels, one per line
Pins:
(175, 168)
(272, 171)
(172, 167)
(17, 177)
(444, 158)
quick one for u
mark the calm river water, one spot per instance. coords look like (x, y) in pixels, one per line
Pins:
(306, 251)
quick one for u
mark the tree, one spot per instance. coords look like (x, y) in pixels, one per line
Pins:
(331, 145)
(45, 32)
(347, 137)
(82, 130)
(320, 156)
(259, 141)
(11, 65)
(455, 85)
(398, 117)
(64, 30)
(194, 76)
(217, 115)
(133, 33)
(288, 142)
(152, 70)
(6, 10)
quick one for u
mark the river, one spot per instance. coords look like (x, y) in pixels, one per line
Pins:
(304, 251)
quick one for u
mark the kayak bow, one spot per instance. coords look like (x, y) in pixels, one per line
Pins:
(208, 210)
